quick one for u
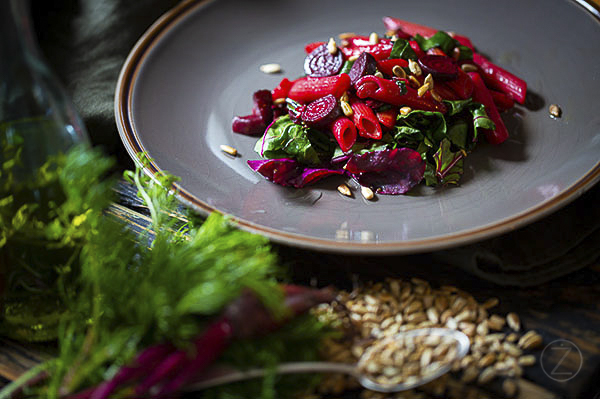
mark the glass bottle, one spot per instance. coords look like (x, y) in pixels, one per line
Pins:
(37, 122)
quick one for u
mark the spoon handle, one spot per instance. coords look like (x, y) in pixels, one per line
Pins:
(229, 375)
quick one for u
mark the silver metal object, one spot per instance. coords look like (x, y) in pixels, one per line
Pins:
(223, 375)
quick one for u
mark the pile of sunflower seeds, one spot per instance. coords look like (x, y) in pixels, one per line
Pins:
(377, 311)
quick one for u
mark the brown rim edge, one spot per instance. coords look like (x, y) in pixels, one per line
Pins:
(130, 138)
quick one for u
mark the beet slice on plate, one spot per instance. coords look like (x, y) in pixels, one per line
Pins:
(439, 66)
(365, 64)
(251, 125)
(320, 62)
(322, 111)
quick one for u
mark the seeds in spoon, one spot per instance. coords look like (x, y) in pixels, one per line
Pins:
(414, 358)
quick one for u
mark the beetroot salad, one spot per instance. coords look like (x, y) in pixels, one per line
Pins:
(389, 112)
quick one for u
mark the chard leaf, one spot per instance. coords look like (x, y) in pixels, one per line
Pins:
(286, 139)
(403, 50)
(441, 39)
(480, 119)
(431, 124)
(457, 106)
(408, 136)
(458, 133)
(448, 163)
(465, 52)
(365, 146)
(429, 175)
(386, 142)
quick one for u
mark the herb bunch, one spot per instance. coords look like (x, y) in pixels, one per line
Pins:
(128, 296)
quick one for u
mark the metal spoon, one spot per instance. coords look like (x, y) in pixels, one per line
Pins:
(220, 376)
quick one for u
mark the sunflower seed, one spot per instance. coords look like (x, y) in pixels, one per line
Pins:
(414, 68)
(469, 68)
(490, 303)
(527, 360)
(344, 190)
(398, 71)
(555, 111)
(228, 149)
(487, 375)
(496, 322)
(332, 46)
(270, 68)
(513, 321)
(373, 38)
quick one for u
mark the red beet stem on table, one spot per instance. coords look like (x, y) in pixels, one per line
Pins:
(167, 371)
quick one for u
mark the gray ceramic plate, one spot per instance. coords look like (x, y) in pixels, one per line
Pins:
(198, 66)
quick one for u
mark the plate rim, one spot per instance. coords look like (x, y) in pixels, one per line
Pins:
(131, 141)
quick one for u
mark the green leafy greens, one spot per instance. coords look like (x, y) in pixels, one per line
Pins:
(444, 42)
(440, 39)
(125, 296)
(286, 139)
(402, 49)
(442, 140)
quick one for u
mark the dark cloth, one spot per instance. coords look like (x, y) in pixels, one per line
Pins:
(87, 41)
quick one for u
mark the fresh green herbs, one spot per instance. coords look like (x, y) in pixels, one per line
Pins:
(126, 296)
(46, 216)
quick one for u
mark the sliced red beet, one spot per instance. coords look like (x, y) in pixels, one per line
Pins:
(439, 66)
(320, 62)
(279, 171)
(322, 111)
(263, 105)
(365, 64)
(251, 125)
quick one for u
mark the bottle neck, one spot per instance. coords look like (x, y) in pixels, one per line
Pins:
(33, 104)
